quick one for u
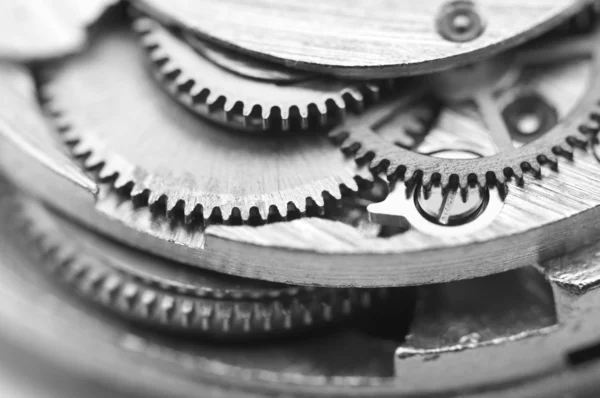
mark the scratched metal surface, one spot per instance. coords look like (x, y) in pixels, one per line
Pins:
(540, 219)
(400, 37)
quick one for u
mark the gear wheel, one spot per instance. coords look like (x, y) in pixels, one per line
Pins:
(170, 296)
(510, 105)
(129, 132)
(253, 97)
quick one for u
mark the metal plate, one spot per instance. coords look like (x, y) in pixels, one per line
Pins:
(333, 36)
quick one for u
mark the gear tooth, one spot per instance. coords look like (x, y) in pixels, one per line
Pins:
(266, 112)
(463, 181)
(141, 25)
(326, 312)
(303, 114)
(361, 152)
(244, 212)
(318, 200)
(357, 97)
(366, 299)
(154, 197)
(129, 293)
(263, 210)
(301, 206)
(244, 316)
(347, 306)
(307, 318)
(247, 110)
(170, 204)
(285, 120)
(92, 160)
(121, 181)
(266, 124)
(148, 302)
(187, 311)
(188, 209)
(517, 170)
(340, 104)
(228, 106)
(444, 179)
(111, 286)
(481, 177)
(136, 191)
(282, 209)
(348, 144)
(374, 91)
(226, 210)
(106, 172)
(166, 309)
(337, 194)
(409, 173)
(212, 98)
(323, 114)
(378, 162)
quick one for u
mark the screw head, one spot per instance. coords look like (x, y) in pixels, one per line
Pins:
(459, 21)
(529, 116)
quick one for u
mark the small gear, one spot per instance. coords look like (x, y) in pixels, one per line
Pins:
(204, 82)
(171, 296)
(131, 133)
(530, 110)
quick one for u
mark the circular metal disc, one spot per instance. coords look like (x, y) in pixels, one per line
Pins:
(379, 38)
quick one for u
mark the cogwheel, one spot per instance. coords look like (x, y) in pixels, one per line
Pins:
(130, 132)
(252, 96)
(168, 295)
(516, 113)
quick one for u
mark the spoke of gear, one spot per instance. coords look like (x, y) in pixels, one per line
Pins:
(480, 92)
(211, 90)
(127, 130)
(168, 295)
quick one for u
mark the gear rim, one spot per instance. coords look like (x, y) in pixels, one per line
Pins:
(152, 188)
(560, 142)
(190, 79)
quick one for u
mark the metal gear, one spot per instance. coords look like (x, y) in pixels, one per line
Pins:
(243, 101)
(167, 295)
(500, 101)
(331, 37)
(455, 327)
(97, 98)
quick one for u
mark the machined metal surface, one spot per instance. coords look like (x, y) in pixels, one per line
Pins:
(425, 236)
(167, 295)
(334, 37)
(244, 97)
(314, 366)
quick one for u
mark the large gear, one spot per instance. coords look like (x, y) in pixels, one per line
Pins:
(486, 85)
(174, 155)
(332, 37)
(145, 251)
(170, 296)
(243, 101)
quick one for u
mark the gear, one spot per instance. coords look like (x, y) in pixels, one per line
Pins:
(204, 84)
(365, 39)
(526, 109)
(171, 296)
(98, 99)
